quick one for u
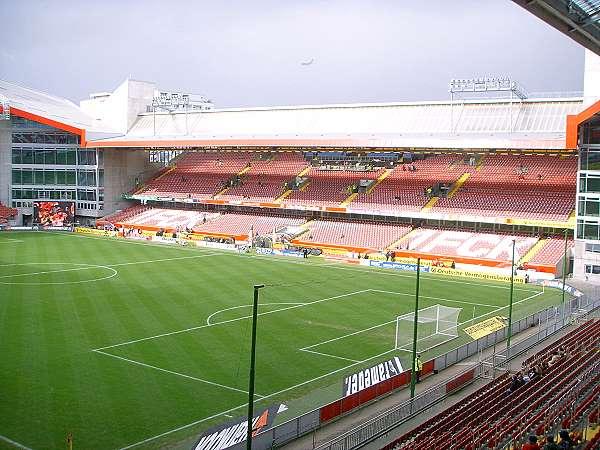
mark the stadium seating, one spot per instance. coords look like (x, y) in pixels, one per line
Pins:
(241, 224)
(198, 175)
(329, 187)
(6, 212)
(552, 251)
(265, 180)
(467, 244)
(531, 187)
(169, 218)
(125, 214)
(500, 412)
(403, 190)
(353, 234)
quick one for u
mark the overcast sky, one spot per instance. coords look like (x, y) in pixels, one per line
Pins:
(249, 52)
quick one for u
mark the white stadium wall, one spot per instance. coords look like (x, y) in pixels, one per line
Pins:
(119, 109)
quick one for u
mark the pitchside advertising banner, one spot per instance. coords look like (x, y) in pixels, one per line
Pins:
(371, 376)
(395, 265)
(234, 431)
(53, 214)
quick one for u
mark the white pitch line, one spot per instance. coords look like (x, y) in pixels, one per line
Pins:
(267, 258)
(392, 321)
(247, 306)
(347, 335)
(328, 355)
(132, 361)
(48, 271)
(501, 308)
(14, 443)
(369, 270)
(183, 427)
(164, 259)
(185, 330)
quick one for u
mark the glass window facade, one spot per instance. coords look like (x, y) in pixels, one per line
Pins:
(47, 163)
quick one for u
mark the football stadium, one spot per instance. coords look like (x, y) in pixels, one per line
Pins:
(400, 275)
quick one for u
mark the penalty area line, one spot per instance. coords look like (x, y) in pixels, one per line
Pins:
(14, 443)
(328, 355)
(183, 427)
(160, 369)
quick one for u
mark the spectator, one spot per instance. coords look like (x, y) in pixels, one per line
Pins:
(555, 358)
(550, 444)
(418, 367)
(516, 382)
(565, 440)
(531, 443)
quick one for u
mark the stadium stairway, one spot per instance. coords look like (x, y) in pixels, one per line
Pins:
(402, 239)
(379, 179)
(533, 251)
(430, 204)
(461, 180)
(349, 199)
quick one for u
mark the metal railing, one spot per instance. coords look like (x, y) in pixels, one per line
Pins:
(555, 319)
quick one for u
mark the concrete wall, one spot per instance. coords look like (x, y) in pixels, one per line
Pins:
(581, 258)
(121, 168)
(120, 108)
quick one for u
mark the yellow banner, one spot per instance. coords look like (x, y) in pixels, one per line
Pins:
(486, 327)
(95, 231)
(473, 274)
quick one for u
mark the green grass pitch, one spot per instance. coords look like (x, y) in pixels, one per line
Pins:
(124, 343)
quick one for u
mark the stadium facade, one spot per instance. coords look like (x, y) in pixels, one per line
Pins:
(94, 152)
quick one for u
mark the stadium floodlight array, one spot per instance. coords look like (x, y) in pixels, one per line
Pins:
(487, 84)
(4, 108)
(436, 324)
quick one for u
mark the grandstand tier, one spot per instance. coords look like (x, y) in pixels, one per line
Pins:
(529, 187)
(510, 408)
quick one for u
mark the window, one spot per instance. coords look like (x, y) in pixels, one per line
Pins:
(38, 177)
(27, 176)
(70, 177)
(592, 269)
(50, 157)
(86, 157)
(16, 176)
(589, 207)
(589, 183)
(27, 156)
(588, 230)
(38, 157)
(594, 248)
(16, 156)
(589, 159)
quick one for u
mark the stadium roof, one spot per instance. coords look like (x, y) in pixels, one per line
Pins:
(49, 109)
(578, 19)
(496, 124)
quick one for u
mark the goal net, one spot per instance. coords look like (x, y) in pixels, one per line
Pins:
(435, 325)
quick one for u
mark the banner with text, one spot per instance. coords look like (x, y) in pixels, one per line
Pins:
(371, 376)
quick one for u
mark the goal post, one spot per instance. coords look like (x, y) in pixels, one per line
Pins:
(436, 324)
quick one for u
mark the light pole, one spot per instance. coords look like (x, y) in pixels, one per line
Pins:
(564, 274)
(510, 302)
(413, 375)
(252, 365)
